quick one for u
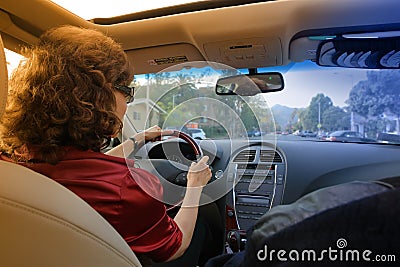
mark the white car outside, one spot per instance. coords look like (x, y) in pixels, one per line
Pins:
(196, 133)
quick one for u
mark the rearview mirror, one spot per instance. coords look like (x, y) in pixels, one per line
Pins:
(250, 84)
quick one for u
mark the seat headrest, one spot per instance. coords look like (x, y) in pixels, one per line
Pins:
(3, 79)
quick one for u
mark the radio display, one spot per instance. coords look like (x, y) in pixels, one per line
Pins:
(257, 178)
(256, 167)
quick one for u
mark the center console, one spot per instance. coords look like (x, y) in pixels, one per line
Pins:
(257, 176)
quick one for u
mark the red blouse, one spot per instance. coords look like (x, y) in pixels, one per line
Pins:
(110, 187)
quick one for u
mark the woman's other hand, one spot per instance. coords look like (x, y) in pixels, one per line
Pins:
(199, 173)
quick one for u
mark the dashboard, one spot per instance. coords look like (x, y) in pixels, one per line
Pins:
(259, 175)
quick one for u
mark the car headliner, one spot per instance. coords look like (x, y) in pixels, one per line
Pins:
(203, 35)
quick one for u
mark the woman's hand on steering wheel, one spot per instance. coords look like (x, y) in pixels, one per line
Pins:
(174, 178)
(134, 143)
(199, 173)
(152, 134)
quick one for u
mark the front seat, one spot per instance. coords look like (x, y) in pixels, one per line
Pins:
(44, 224)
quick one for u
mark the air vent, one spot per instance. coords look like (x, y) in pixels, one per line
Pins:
(246, 156)
(269, 156)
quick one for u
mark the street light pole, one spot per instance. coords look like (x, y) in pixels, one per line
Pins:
(319, 117)
(173, 100)
(319, 113)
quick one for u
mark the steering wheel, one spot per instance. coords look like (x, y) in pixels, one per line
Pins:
(192, 143)
(171, 174)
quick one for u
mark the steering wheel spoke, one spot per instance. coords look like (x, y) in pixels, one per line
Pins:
(171, 174)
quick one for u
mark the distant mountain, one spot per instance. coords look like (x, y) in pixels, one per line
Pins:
(282, 115)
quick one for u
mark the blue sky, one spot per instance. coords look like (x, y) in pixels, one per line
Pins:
(305, 80)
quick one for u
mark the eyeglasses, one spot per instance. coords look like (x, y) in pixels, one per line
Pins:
(129, 92)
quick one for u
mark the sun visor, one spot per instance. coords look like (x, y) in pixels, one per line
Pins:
(155, 59)
(365, 53)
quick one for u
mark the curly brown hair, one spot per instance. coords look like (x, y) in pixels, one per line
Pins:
(62, 94)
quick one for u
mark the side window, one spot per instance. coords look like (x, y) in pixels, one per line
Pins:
(136, 116)
(13, 60)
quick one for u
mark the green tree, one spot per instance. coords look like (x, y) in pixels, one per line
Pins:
(321, 111)
(377, 95)
(314, 112)
(335, 118)
(298, 125)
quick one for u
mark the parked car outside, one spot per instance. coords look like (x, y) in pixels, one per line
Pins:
(253, 133)
(196, 133)
(349, 136)
(308, 134)
(297, 132)
(323, 135)
(388, 138)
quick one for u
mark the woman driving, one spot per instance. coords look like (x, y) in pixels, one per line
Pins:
(67, 100)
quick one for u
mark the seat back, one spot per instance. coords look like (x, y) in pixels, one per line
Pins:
(44, 224)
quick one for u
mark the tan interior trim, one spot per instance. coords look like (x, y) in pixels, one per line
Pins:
(3, 79)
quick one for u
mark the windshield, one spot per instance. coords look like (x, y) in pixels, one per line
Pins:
(317, 102)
